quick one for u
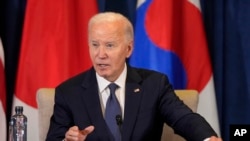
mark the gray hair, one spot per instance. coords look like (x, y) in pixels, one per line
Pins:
(114, 17)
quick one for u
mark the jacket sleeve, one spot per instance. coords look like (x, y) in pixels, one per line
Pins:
(61, 119)
(180, 117)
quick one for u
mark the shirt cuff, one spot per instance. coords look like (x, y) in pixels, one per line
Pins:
(207, 139)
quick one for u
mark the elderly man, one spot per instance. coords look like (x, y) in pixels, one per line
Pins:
(113, 101)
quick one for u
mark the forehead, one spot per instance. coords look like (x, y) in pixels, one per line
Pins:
(113, 25)
(106, 30)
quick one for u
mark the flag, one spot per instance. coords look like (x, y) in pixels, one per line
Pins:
(169, 37)
(53, 48)
(2, 96)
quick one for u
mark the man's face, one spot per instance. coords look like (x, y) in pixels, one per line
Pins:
(108, 49)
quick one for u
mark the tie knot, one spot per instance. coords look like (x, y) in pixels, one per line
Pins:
(112, 87)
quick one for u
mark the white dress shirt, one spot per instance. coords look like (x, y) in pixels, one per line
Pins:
(104, 91)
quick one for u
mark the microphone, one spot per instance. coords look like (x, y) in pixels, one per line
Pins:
(118, 119)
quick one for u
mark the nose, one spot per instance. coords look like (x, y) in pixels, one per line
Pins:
(102, 52)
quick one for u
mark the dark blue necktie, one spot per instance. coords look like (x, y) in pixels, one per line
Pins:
(113, 110)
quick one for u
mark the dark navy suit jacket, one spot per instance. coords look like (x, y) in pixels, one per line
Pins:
(77, 103)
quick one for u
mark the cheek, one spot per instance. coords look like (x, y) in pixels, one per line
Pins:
(91, 56)
(119, 60)
(92, 53)
(120, 55)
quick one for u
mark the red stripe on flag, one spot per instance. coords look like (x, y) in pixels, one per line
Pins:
(54, 44)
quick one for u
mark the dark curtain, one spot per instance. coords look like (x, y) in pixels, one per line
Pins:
(125, 7)
(11, 22)
(228, 30)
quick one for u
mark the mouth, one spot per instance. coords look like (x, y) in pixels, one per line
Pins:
(102, 66)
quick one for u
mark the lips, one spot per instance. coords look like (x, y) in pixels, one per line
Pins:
(102, 66)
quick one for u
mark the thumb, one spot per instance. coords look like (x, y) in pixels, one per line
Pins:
(87, 130)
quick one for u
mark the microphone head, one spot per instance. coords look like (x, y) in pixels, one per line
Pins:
(118, 119)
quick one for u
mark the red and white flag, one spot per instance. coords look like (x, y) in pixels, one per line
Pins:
(2, 96)
(54, 48)
(170, 38)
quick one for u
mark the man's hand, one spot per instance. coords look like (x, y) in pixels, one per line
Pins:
(74, 134)
(213, 138)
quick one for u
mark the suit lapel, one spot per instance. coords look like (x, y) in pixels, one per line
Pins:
(93, 106)
(133, 95)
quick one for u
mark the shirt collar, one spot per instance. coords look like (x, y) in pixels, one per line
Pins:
(120, 81)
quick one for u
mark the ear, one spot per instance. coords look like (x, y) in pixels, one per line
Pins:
(130, 48)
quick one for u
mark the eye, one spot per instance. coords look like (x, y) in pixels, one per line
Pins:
(109, 45)
(94, 44)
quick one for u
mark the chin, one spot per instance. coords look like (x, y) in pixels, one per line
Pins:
(102, 74)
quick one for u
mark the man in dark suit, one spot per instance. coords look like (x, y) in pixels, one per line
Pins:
(143, 99)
